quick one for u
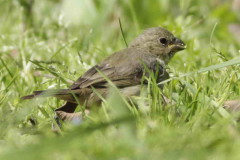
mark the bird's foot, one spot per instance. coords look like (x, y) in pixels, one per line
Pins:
(74, 118)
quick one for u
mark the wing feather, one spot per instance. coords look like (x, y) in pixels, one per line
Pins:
(124, 68)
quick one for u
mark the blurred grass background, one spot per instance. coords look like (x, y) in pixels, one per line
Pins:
(50, 43)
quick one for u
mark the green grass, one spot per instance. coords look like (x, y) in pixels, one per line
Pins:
(60, 40)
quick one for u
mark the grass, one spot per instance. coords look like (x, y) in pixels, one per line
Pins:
(60, 40)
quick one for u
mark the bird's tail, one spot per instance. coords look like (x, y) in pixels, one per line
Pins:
(48, 93)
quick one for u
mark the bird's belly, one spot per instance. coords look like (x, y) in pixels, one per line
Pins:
(95, 98)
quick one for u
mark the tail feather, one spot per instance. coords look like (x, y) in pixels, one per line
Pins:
(47, 93)
(28, 97)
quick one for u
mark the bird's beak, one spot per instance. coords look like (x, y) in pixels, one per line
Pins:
(177, 45)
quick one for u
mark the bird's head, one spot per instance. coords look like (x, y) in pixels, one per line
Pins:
(160, 42)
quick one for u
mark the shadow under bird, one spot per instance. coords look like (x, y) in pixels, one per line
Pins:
(125, 69)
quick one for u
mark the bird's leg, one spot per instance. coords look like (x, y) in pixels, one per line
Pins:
(71, 117)
(74, 118)
(232, 105)
(66, 113)
(66, 108)
(166, 101)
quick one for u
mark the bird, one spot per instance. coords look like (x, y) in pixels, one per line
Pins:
(126, 69)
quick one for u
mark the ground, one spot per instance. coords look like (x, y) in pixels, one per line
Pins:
(50, 43)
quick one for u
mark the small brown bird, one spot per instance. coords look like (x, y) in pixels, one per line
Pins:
(125, 68)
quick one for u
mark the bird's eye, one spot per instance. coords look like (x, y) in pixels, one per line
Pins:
(163, 41)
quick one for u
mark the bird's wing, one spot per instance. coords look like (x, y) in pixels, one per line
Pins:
(116, 68)
(93, 76)
(124, 68)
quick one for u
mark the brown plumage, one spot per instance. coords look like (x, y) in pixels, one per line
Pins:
(125, 68)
